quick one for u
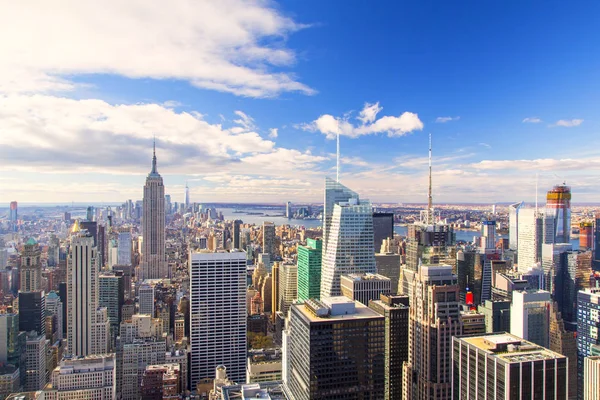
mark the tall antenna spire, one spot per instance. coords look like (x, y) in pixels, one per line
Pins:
(430, 199)
(154, 155)
(338, 158)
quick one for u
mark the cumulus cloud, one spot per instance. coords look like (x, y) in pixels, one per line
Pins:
(273, 133)
(443, 120)
(532, 120)
(230, 45)
(52, 134)
(568, 123)
(331, 126)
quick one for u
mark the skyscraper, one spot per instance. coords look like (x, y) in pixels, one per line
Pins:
(187, 196)
(558, 207)
(13, 217)
(124, 246)
(236, 234)
(596, 257)
(91, 377)
(154, 263)
(503, 366)
(365, 287)
(87, 325)
(335, 193)
(513, 221)
(32, 312)
(288, 210)
(269, 239)
(309, 269)
(588, 325)
(288, 286)
(349, 244)
(434, 317)
(218, 314)
(535, 229)
(586, 235)
(31, 267)
(529, 316)
(334, 349)
(383, 228)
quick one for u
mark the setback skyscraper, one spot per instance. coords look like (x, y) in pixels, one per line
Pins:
(558, 206)
(31, 267)
(513, 221)
(154, 263)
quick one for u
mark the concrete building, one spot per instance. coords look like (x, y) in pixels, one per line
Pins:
(263, 390)
(564, 342)
(179, 356)
(153, 259)
(161, 382)
(87, 328)
(504, 366)
(395, 311)
(35, 373)
(264, 366)
(134, 358)
(535, 229)
(434, 320)
(83, 378)
(588, 324)
(591, 373)
(288, 286)
(146, 299)
(112, 297)
(388, 265)
(125, 247)
(496, 315)
(309, 269)
(530, 316)
(383, 228)
(218, 314)
(269, 245)
(365, 287)
(31, 267)
(333, 348)
(350, 244)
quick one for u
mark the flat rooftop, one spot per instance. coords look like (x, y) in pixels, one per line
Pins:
(360, 311)
(510, 348)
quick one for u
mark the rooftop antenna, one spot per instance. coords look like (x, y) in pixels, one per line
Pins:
(430, 199)
(338, 158)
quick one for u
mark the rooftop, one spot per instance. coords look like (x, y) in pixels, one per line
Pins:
(367, 277)
(339, 309)
(510, 348)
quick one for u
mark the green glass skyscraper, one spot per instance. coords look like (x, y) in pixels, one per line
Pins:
(309, 269)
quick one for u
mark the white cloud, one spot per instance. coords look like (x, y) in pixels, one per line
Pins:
(330, 126)
(443, 120)
(245, 121)
(542, 164)
(568, 123)
(486, 145)
(273, 133)
(532, 120)
(369, 113)
(230, 45)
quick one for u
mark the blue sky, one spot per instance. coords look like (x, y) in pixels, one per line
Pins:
(245, 98)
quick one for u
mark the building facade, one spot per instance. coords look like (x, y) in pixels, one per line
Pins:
(365, 287)
(309, 269)
(83, 378)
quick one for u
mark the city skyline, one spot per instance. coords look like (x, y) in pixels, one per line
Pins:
(254, 110)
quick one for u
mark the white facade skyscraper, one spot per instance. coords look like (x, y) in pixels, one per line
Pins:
(535, 229)
(218, 314)
(154, 263)
(513, 221)
(349, 245)
(335, 193)
(288, 286)
(87, 325)
(529, 316)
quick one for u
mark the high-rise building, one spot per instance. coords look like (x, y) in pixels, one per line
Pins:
(186, 201)
(335, 193)
(571, 276)
(125, 246)
(161, 382)
(513, 222)
(154, 263)
(288, 210)
(591, 373)
(588, 325)
(395, 311)
(383, 228)
(309, 269)
(268, 232)
(349, 247)
(35, 373)
(14, 214)
(82, 378)
(558, 207)
(535, 229)
(586, 235)
(388, 265)
(146, 297)
(13, 355)
(529, 316)
(365, 287)
(54, 307)
(552, 260)
(274, 291)
(218, 314)
(136, 355)
(111, 297)
(288, 286)
(496, 314)
(236, 234)
(434, 317)
(31, 267)
(504, 366)
(334, 348)
(32, 312)
(87, 324)
(564, 342)
(596, 257)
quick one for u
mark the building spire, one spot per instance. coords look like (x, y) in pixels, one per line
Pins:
(154, 156)
(430, 197)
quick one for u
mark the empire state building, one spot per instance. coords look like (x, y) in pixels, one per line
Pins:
(154, 264)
